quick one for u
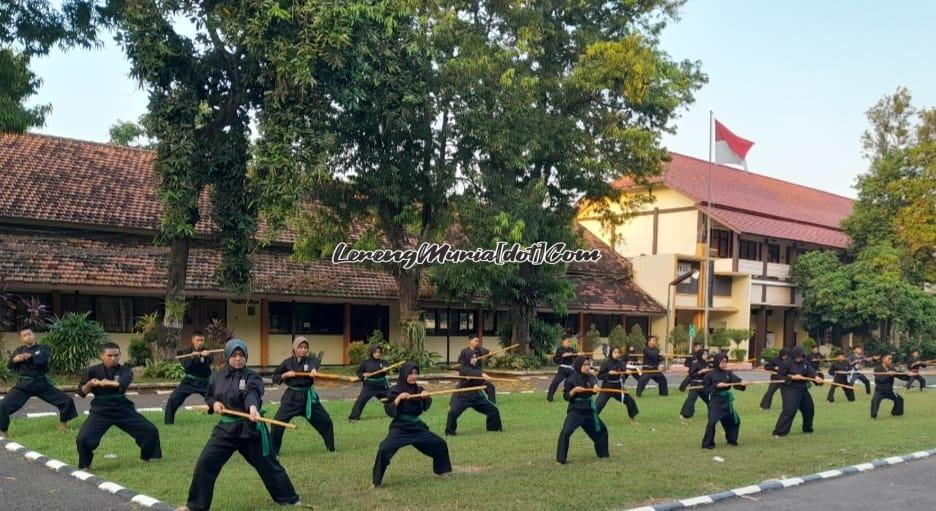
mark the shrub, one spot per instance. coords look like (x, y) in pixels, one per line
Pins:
(394, 353)
(376, 337)
(617, 338)
(543, 336)
(164, 369)
(592, 337)
(808, 343)
(515, 362)
(357, 351)
(216, 334)
(5, 373)
(75, 340)
(140, 352)
(636, 338)
(679, 339)
(719, 338)
(738, 355)
(770, 353)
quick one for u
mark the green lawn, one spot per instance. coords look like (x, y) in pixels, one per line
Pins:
(655, 460)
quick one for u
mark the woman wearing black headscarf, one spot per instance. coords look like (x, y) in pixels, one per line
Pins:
(718, 388)
(478, 400)
(582, 412)
(612, 373)
(372, 385)
(405, 402)
(797, 373)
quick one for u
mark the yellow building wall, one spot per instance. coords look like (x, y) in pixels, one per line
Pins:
(246, 327)
(436, 343)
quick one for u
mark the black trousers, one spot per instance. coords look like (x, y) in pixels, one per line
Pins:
(767, 400)
(129, 421)
(917, 378)
(603, 398)
(293, 404)
(459, 404)
(688, 407)
(896, 411)
(561, 374)
(719, 412)
(863, 379)
(795, 400)
(490, 391)
(685, 383)
(849, 394)
(185, 389)
(41, 388)
(367, 393)
(219, 449)
(586, 421)
(657, 377)
(423, 440)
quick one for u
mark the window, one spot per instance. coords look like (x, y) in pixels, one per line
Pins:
(114, 313)
(721, 286)
(143, 306)
(367, 318)
(749, 250)
(464, 322)
(773, 253)
(319, 318)
(429, 319)
(489, 322)
(690, 285)
(281, 317)
(602, 323)
(721, 242)
(78, 303)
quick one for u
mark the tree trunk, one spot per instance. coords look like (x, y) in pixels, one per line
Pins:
(521, 316)
(175, 294)
(408, 284)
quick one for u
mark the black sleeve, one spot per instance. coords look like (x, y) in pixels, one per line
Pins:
(783, 372)
(389, 407)
(85, 377)
(604, 369)
(187, 361)
(426, 403)
(42, 359)
(125, 378)
(361, 369)
(733, 378)
(254, 391)
(557, 358)
(567, 388)
(278, 373)
(708, 383)
(209, 396)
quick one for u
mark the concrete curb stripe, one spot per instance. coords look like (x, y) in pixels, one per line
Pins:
(154, 409)
(101, 484)
(40, 414)
(776, 484)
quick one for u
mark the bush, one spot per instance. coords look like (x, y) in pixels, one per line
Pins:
(515, 362)
(738, 355)
(808, 344)
(357, 352)
(75, 340)
(140, 352)
(636, 338)
(394, 353)
(592, 338)
(5, 373)
(543, 336)
(770, 353)
(679, 339)
(376, 337)
(617, 338)
(164, 369)
(719, 338)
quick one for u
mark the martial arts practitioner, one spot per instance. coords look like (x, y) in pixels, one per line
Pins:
(468, 358)
(237, 388)
(719, 384)
(372, 385)
(651, 362)
(612, 372)
(773, 365)
(884, 374)
(475, 344)
(582, 412)
(300, 398)
(839, 374)
(914, 364)
(110, 407)
(405, 403)
(563, 358)
(197, 372)
(31, 362)
(815, 357)
(688, 365)
(697, 371)
(797, 374)
(856, 362)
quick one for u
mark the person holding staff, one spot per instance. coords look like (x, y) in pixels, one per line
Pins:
(580, 389)
(612, 373)
(884, 374)
(197, 363)
(373, 375)
(718, 386)
(563, 358)
(797, 374)
(300, 398)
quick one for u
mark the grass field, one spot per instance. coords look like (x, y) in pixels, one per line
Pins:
(654, 460)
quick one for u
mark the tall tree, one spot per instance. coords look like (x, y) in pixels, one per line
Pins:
(130, 134)
(395, 108)
(30, 28)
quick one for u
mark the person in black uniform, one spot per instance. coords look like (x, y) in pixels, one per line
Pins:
(721, 402)
(696, 349)
(110, 407)
(235, 387)
(773, 365)
(612, 372)
(197, 372)
(797, 374)
(405, 403)
(563, 358)
(884, 386)
(375, 386)
(815, 357)
(582, 412)
(468, 358)
(651, 362)
(914, 364)
(300, 398)
(839, 374)
(31, 362)
(475, 344)
(697, 371)
(856, 362)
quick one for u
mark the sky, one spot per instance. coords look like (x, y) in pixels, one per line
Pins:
(795, 77)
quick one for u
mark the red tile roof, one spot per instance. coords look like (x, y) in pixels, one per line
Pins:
(759, 204)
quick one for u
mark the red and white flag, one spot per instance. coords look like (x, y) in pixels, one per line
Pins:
(730, 148)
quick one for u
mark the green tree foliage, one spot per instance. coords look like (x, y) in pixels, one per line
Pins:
(75, 340)
(130, 134)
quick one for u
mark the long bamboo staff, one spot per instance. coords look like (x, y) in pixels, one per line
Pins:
(239, 413)
(886, 373)
(607, 391)
(745, 383)
(108, 383)
(491, 354)
(439, 392)
(634, 371)
(198, 353)
(326, 376)
(386, 369)
(488, 378)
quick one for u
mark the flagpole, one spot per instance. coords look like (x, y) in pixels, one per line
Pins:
(708, 237)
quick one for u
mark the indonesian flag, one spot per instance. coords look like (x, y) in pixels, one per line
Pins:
(730, 148)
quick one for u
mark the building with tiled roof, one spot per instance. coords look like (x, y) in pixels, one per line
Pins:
(759, 227)
(77, 228)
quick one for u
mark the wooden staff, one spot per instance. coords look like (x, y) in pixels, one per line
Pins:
(239, 413)
(386, 369)
(580, 353)
(608, 391)
(849, 387)
(491, 354)
(634, 371)
(438, 392)
(488, 378)
(108, 383)
(325, 376)
(745, 383)
(198, 353)
(886, 373)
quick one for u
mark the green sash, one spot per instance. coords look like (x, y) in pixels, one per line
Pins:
(112, 397)
(594, 409)
(412, 419)
(194, 378)
(29, 379)
(261, 427)
(311, 397)
(730, 397)
(381, 379)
